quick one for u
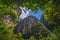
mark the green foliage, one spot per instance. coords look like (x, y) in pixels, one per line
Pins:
(32, 38)
(4, 9)
(31, 4)
(40, 31)
(52, 15)
(57, 32)
(51, 12)
(6, 33)
(50, 8)
(51, 36)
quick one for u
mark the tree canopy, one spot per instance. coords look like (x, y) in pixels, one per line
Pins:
(50, 8)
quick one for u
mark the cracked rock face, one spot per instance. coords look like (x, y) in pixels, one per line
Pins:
(23, 24)
(27, 28)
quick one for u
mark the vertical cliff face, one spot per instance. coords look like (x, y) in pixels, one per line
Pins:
(25, 25)
(30, 26)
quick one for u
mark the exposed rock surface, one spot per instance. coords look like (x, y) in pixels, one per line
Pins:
(31, 26)
(7, 19)
(23, 24)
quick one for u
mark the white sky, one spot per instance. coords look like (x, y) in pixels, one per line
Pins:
(25, 12)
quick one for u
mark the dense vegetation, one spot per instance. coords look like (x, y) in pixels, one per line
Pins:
(8, 17)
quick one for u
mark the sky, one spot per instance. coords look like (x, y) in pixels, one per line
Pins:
(25, 13)
(37, 15)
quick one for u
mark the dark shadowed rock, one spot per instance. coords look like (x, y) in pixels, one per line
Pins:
(49, 26)
(30, 26)
(23, 24)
